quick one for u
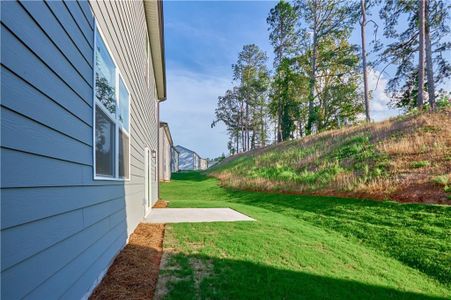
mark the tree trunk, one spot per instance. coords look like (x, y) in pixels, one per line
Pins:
(312, 83)
(365, 72)
(279, 120)
(429, 65)
(246, 128)
(262, 132)
(243, 139)
(421, 47)
(237, 149)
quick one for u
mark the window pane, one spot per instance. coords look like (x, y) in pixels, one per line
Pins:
(104, 144)
(123, 155)
(105, 75)
(123, 105)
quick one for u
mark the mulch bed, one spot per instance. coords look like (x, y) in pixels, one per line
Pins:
(134, 272)
(161, 204)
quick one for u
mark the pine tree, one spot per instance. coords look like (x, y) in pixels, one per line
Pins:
(324, 19)
(363, 23)
(282, 21)
(421, 45)
(403, 49)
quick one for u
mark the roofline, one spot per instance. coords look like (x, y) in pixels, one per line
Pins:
(175, 149)
(189, 150)
(155, 26)
(168, 132)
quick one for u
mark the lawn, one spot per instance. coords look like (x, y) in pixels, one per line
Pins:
(304, 247)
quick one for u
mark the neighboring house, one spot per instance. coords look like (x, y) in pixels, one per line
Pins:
(203, 164)
(174, 160)
(188, 159)
(81, 84)
(165, 152)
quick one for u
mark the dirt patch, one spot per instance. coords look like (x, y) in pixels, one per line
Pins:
(161, 204)
(172, 272)
(166, 276)
(177, 266)
(202, 269)
(134, 272)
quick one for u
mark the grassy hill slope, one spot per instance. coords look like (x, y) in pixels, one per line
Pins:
(407, 159)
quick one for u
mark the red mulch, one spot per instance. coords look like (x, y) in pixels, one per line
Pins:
(134, 272)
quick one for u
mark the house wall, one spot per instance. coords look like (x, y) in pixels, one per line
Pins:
(196, 162)
(203, 164)
(186, 159)
(165, 156)
(174, 160)
(60, 229)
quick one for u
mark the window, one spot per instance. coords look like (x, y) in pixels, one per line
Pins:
(111, 116)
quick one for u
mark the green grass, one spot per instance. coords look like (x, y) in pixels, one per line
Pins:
(441, 180)
(304, 247)
(420, 164)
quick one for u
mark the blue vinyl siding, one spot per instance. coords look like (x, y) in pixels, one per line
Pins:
(60, 229)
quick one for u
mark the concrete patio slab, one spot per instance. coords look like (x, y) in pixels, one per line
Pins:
(194, 215)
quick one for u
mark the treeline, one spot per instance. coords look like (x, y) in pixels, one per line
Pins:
(319, 80)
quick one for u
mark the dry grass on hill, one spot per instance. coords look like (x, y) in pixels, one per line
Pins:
(407, 159)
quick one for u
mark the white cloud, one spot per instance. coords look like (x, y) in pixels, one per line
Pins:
(189, 110)
(379, 104)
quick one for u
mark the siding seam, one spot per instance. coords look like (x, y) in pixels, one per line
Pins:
(60, 241)
(78, 26)
(43, 62)
(42, 124)
(46, 156)
(84, 14)
(79, 254)
(52, 41)
(68, 211)
(69, 36)
(43, 93)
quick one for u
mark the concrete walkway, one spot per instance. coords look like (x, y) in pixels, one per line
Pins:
(194, 215)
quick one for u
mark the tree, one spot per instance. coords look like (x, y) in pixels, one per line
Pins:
(283, 35)
(286, 95)
(229, 112)
(243, 108)
(420, 100)
(339, 100)
(324, 19)
(404, 48)
(363, 23)
(250, 72)
(429, 63)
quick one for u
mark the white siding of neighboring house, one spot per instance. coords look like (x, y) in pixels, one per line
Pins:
(165, 156)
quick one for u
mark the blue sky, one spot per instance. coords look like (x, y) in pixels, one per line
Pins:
(203, 39)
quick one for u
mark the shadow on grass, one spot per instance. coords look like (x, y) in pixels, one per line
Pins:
(203, 277)
(414, 234)
(189, 176)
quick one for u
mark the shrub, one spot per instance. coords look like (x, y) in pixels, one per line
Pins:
(441, 180)
(420, 164)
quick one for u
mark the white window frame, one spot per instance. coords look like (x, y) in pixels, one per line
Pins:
(115, 119)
